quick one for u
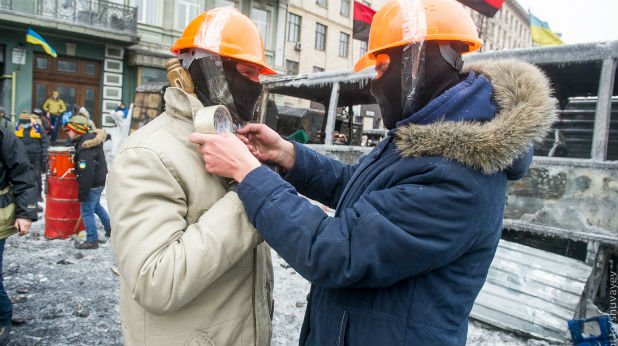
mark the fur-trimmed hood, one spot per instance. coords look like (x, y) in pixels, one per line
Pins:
(99, 138)
(526, 111)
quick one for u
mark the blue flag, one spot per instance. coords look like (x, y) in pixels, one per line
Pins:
(34, 38)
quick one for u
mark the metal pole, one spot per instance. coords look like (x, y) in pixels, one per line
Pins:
(262, 117)
(332, 114)
(600, 136)
(13, 86)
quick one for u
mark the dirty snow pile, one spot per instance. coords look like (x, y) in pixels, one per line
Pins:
(65, 296)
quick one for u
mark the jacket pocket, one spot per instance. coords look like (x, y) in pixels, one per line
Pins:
(226, 333)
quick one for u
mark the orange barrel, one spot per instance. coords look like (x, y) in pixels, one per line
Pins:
(62, 214)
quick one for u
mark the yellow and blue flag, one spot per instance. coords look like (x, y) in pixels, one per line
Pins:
(542, 35)
(34, 38)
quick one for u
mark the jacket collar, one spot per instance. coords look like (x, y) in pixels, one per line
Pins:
(179, 104)
(526, 111)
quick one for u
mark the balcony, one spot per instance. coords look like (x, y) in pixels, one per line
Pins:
(92, 14)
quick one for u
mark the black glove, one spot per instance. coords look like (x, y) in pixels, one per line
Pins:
(231, 185)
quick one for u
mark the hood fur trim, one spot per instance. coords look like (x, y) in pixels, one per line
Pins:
(526, 111)
(100, 137)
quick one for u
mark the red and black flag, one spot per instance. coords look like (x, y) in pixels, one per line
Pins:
(484, 7)
(363, 15)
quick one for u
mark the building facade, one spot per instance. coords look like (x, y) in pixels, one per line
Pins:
(90, 38)
(106, 48)
(508, 29)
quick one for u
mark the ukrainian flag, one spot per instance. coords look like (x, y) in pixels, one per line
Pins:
(34, 38)
(542, 34)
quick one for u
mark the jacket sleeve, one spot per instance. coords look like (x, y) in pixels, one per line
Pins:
(85, 168)
(317, 176)
(387, 235)
(21, 176)
(62, 106)
(165, 261)
(46, 105)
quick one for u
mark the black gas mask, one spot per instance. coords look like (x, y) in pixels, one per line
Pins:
(218, 82)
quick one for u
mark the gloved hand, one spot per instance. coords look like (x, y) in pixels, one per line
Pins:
(230, 184)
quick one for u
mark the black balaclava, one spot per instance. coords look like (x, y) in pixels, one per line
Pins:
(387, 89)
(245, 91)
(399, 97)
(218, 82)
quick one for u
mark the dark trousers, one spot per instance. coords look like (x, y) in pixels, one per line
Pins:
(6, 308)
(55, 122)
(35, 160)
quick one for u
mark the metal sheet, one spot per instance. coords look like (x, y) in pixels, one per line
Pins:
(531, 291)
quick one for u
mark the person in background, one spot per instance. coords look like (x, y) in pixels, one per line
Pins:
(45, 122)
(120, 132)
(5, 120)
(54, 107)
(32, 134)
(122, 108)
(91, 171)
(18, 191)
(419, 218)
(83, 111)
(193, 271)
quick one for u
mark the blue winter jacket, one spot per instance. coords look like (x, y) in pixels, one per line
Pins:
(416, 224)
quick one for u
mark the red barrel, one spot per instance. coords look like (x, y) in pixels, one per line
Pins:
(62, 214)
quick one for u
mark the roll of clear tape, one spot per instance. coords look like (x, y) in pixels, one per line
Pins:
(213, 119)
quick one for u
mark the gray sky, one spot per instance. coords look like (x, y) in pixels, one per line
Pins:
(578, 20)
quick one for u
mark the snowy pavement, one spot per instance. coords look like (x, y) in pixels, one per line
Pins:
(63, 296)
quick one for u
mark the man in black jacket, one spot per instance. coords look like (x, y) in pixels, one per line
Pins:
(31, 132)
(17, 208)
(91, 170)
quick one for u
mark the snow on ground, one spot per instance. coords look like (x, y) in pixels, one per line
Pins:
(65, 296)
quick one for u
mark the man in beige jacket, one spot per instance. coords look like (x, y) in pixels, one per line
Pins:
(54, 107)
(193, 270)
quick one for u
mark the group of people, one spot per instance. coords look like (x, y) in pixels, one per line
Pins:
(417, 220)
(23, 157)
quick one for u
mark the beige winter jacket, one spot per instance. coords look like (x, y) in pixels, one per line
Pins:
(193, 271)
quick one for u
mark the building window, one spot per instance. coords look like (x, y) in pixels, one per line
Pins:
(187, 10)
(293, 27)
(67, 66)
(261, 18)
(317, 69)
(320, 36)
(345, 8)
(225, 3)
(41, 63)
(322, 3)
(344, 42)
(291, 67)
(148, 12)
(91, 69)
(363, 48)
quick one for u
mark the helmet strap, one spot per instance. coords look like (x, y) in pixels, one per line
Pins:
(451, 56)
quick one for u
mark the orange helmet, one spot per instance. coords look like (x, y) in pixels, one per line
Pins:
(226, 32)
(446, 20)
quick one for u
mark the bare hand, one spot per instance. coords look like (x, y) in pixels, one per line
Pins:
(266, 145)
(225, 155)
(23, 226)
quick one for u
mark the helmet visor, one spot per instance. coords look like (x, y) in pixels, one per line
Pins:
(414, 30)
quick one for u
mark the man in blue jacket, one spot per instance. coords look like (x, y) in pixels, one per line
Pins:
(419, 218)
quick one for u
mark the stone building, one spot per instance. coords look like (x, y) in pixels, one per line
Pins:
(508, 29)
